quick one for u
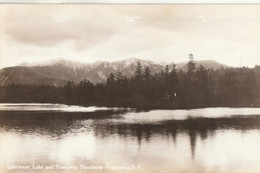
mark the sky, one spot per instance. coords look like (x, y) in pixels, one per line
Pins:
(229, 34)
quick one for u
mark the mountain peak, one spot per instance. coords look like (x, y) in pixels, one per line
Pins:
(48, 62)
(133, 59)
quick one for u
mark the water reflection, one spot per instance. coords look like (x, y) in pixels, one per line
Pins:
(101, 123)
(54, 124)
(198, 143)
(201, 127)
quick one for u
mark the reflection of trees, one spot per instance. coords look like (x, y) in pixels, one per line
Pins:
(194, 128)
(53, 124)
(193, 136)
(60, 124)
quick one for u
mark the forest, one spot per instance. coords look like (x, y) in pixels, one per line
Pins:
(195, 87)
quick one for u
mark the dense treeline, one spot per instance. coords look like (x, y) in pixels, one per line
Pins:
(196, 87)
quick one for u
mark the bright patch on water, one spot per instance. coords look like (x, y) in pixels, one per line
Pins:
(164, 115)
(50, 107)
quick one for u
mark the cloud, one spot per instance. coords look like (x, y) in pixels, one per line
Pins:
(49, 26)
(155, 32)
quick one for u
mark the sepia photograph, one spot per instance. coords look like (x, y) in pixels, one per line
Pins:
(129, 88)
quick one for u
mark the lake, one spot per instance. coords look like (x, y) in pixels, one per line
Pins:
(60, 138)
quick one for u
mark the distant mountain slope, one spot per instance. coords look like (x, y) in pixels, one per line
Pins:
(59, 72)
(26, 75)
(209, 64)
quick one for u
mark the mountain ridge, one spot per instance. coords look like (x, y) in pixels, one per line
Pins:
(59, 71)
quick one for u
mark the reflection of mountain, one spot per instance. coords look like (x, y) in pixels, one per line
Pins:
(104, 124)
(54, 124)
(59, 72)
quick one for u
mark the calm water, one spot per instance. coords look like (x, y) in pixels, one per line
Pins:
(91, 139)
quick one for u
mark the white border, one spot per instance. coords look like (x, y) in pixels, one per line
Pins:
(130, 2)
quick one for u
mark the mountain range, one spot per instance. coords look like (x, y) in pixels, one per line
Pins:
(60, 71)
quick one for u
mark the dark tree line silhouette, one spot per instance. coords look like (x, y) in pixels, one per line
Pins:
(169, 89)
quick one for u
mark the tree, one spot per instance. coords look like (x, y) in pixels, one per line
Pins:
(173, 70)
(111, 79)
(147, 74)
(189, 83)
(166, 75)
(191, 65)
(201, 86)
(119, 76)
(69, 95)
(120, 87)
(172, 83)
(166, 70)
(110, 88)
(138, 71)
(173, 79)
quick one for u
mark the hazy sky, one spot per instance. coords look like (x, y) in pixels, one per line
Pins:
(229, 34)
